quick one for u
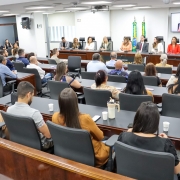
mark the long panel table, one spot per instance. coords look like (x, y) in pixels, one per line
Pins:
(109, 127)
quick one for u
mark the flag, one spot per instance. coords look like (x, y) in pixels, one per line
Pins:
(134, 41)
(144, 27)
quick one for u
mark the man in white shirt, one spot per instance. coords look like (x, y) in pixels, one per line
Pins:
(142, 46)
(96, 65)
(34, 65)
(112, 62)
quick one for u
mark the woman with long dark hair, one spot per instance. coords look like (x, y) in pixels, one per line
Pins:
(173, 48)
(135, 85)
(145, 135)
(174, 88)
(126, 45)
(70, 116)
(157, 46)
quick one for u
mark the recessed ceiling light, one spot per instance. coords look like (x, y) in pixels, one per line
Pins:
(35, 11)
(176, 2)
(9, 14)
(124, 5)
(141, 7)
(61, 11)
(76, 8)
(96, 2)
(47, 13)
(3, 11)
(39, 7)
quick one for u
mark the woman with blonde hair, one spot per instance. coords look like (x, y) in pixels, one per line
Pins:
(137, 59)
(126, 45)
(61, 76)
(105, 45)
(76, 44)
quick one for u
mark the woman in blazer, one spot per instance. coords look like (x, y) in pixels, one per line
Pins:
(105, 45)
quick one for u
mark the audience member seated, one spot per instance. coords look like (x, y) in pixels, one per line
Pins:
(163, 61)
(150, 70)
(7, 44)
(142, 46)
(5, 71)
(15, 46)
(34, 65)
(71, 117)
(96, 65)
(64, 44)
(22, 58)
(113, 56)
(126, 45)
(61, 76)
(119, 70)
(89, 44)
(9, 63)
(138, 58)
(101, 84)
(76, 44)
(135, 85)
(55, 55)
(173, 48)
(105, 45)
(173, 79)
(144, 133)
(157, 46)
(15, 53)
(30, 55)
(174, 88)
(25, 91)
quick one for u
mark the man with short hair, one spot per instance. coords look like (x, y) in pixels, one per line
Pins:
(9, 63)
(64, 44)
(5, 71)
(22, 58)
(142, 46)
(34, 65)
(55, 55)
(96, 65)
(113, 56)
(25, 92)
(119, 70)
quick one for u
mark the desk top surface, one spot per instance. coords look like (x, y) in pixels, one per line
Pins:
(122, 120)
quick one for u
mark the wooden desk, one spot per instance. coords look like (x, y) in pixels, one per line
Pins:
(20, 162)
(25, 77)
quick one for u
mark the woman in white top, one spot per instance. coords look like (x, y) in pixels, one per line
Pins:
(173, 79)
(157, 46)
(89, 44)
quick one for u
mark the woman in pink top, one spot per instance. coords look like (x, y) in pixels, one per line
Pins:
(126, 45)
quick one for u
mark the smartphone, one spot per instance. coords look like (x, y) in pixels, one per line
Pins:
(96, 117)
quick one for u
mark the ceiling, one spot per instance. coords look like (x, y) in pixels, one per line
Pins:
(18, 6)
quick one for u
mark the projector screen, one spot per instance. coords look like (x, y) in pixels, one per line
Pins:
(175, 22)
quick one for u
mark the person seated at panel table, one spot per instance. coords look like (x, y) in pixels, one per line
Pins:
(96, 65)
(76, 44)
(157, 46)
(105, 45)
(150, 70)
(9, 64)
(144, 133)
(22, 58)
(34, 65)
(55, 55)
(15, 46)
(138, 58)
(173, 79)
(113, 56)
(126, 45)
(173, 48)
(25, 92)
(7, 44)
(101, 84)
(119, 70)
(142, 46)
(73, 118)
(135, 85)
(61, 76)
(89, 44)
(163, 61)
(5, 71)
(64, 44)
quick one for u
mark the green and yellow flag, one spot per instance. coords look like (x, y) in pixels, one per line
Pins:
(144, 27)
(134, 41)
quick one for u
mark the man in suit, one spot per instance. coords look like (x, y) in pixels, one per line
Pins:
(142, 46)
(64, 44)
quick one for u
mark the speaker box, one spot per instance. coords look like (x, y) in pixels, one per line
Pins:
(25, 23)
